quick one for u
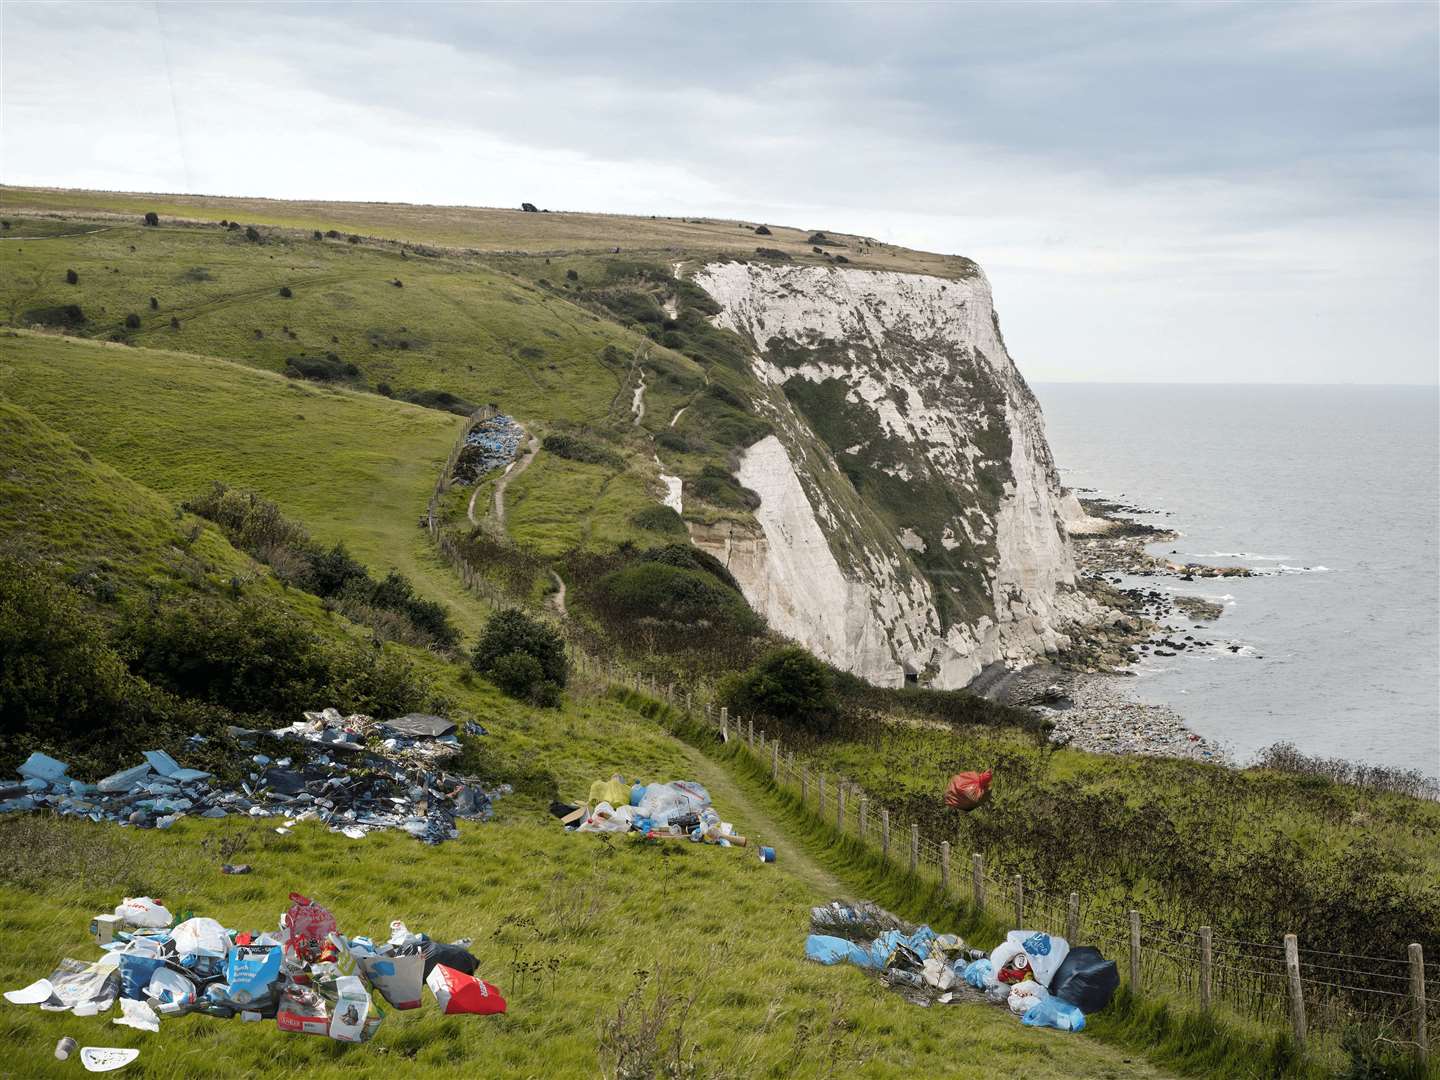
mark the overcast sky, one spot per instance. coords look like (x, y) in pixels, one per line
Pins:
(1189, 192)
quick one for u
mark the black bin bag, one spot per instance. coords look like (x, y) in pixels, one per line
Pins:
(1086, 979)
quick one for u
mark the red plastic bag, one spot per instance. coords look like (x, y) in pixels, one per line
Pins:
(968, 790)
(307, 925)
(460, 993)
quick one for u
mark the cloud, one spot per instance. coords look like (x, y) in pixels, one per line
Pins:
(1244, 190)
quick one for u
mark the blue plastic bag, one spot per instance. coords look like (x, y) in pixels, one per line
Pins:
(135, 972)
(1052, 1012)
(979, 974)
(834, 950)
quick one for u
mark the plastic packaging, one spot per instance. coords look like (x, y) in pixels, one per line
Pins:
(968, 790)
(1086, 979)
(64, 1048)
(144, 911)
(307, 925)
(665, 801)
(1025, 994)
(1052, 1012)
(460, 993)
(979, 974)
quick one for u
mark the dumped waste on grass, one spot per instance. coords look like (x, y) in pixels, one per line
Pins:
(1038, 976)
(306, 976)
(679, 810)
(351, 773)
(490, 444)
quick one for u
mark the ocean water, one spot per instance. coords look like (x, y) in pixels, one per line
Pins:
(1333, 493)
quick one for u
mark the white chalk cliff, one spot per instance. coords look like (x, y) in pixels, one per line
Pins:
(910, 516)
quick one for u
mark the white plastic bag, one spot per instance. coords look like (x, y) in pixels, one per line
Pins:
(1043, 953)
(200, 937)
(144, 911)
(607, 818)
(675, 799)
(1025, 994)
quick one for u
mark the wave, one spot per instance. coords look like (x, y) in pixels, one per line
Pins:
(1271, 571)
(1236, 555)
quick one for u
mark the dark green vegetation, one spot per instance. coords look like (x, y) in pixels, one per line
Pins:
(788, 685)
(522, 656)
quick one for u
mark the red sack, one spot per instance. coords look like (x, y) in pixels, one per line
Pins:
(307, 925)
(457, 992)
(968, 790)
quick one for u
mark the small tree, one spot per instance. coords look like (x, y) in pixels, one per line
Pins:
(71, 277)
(154, 303)
(285, 292)
(174, 323)
(132, 321)
(319, 235)
(761, 230)
(571, 275)
(152, 218)
(789, 685)
(523, 656)
(252, 234)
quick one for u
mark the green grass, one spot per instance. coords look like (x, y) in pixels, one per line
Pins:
(349, 466)
(716, 921)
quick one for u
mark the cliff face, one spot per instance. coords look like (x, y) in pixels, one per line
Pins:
(911, 520)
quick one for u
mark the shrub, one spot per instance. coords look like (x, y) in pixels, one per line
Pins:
(719, 488)
(384, 390)
(661, 519)
(818, 238)
(439, 399)
(333, 234)
(398, 283)
(62, 315)
(252, 234)
(234, 226)
(154, 303)
(285, 292)
(510, 635)
(571, 275)
(152, 218)
(174, 323)
(841, 259)
(789, 685)
(319, 235)
(667, 593)
(132, 321)
(529, 208)
(71, 277)
(574, 448)
(352, 239)
(319, 368)
(761, 230)
(774, 254)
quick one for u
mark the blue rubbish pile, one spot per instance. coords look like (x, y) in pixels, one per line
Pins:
(491, 444)
(1037, 975)
(350, 773)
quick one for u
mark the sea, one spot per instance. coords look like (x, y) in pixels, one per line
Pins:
(1332, 495)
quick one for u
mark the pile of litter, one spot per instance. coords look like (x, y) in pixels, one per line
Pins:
(307, 977)
(354, 775)
(679, 810)
(490, 444)
(1038, 976)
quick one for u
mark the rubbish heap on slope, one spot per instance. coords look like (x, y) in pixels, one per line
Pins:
(490, 444)
(1037, 975)
(306, 976)
(679, 810)
(352, 773)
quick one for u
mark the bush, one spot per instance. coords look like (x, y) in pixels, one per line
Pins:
(841, 259)
(761, 230)
(319, 368)
(384, 389)
(132, 321)
(571, 275)
(439, 399)
(72, 278)
(789, 685)
(510, 639)
(319, 235)
(574, 448)
(285, 292)
(234, 226)
(154, 303)
(174, 323)
(668, 593)
(152, 218)
(252, 234)
(719, 488)
(661, 519)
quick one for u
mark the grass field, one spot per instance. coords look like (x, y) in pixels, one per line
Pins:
(491, 230)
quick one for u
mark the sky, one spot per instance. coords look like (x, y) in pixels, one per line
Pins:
(1215, 192)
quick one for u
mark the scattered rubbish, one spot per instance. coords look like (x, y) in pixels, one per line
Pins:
(489, 445)
(767, 854)
(106, 1058)
(1036, 975)
(967, 790)
(305, 976)
(103, 928)
(351, 773)
(679, 810)
(241, 868)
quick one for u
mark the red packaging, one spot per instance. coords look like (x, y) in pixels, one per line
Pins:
(968, 790)
(302, 1017)
(457, 992)
(308, 924)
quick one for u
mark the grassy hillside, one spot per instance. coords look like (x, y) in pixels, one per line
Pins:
(492, 230)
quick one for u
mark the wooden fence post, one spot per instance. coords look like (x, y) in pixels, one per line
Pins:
(1072, 920)
(804, 784)
(840, 805)
(1207, 961)
(1134, 951)
(761, 739)
(775, 761)
(724, 723)
(945, 866)
(1417, 1000)
(885, 832)
(914, 846)
(977, 879)
(1019, 902)
(750, 732)
(860, 816)
(1297, 991)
